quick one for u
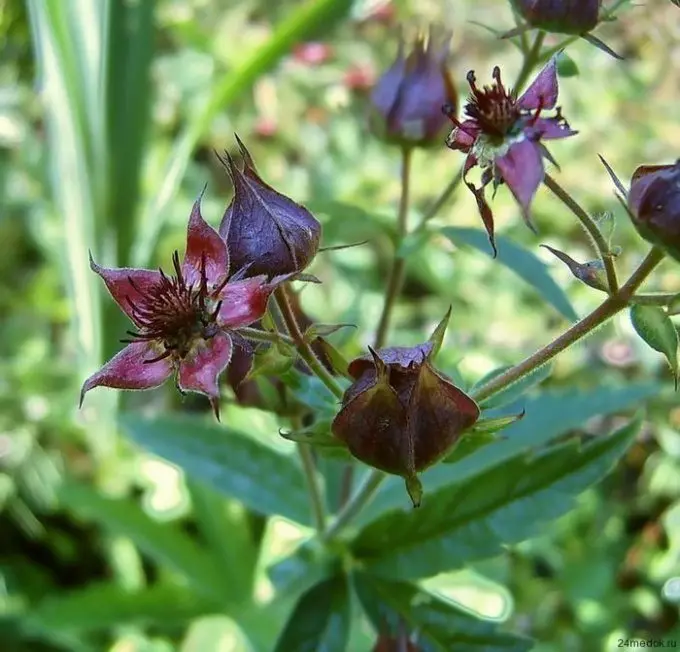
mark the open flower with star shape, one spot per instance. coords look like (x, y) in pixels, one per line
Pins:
(186, 321)
(502, 134)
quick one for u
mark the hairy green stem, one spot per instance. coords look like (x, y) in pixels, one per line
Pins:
(612, 305)
(257, 335)
(593, 230)
(357, 502)
(396, 278)
(303, 347)
(313, 487)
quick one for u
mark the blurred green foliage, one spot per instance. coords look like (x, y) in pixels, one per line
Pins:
(109, 115)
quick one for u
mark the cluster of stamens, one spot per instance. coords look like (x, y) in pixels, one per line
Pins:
(493, 107)
(174, 313)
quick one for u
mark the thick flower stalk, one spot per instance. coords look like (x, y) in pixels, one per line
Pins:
(185, 322)
(268, 233)
(503, 135)
(407, 98)
(401, 415)
(654, 205)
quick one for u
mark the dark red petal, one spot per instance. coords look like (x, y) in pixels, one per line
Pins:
(128, 370)
(543, 91)
(200, 371)
(244, 302)
(522, 170)
(123, 284)
(482, 205)
(204, 247)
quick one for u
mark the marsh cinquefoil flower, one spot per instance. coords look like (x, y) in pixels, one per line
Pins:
(185, 322)
(502, 134)
(401, 415)
(407, 99)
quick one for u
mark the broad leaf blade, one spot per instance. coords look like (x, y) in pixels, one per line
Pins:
(234, 464)
(320, 621)
(472, 519)
(521, 261)
(440, 624)
(164, 542)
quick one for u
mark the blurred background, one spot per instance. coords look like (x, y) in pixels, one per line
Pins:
(110, 116)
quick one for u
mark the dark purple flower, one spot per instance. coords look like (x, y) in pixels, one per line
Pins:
(401, 415)
(654, 205)
(502, 134)
(184, 321)
(561, 16)
(408, 97)
(266, 232)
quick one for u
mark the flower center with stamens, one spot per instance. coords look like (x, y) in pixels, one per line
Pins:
(175, 313)
(493, 107)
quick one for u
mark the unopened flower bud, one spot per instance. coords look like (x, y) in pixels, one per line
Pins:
(401, 415)
(266, 232)
(561, 16)
(408, 98)
(654, 205)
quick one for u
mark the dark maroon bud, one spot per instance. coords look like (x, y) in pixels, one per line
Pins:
(401, 415)
(266, 232)
(654, 205)
(408, 98)
(561, 16)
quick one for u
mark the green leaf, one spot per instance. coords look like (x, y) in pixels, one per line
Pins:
(521, 261)
(231, 462)
(226, 527)
(472, 519)
(307, 20)
(440, 624)
(437, 336)
(513, 392)
(566, 66)
(547, 416)
(214, 634)
(320, 621)
(655, 327)
(321, 330)
(102, 606)
(164, 542)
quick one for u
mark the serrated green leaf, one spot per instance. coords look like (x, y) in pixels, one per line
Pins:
(320, 621)
(521, 261)
(513, 392)
(164, 542)
(106, 605)
(231, 462)
(547, 417)
(271, 362)
(472, 519)
(440, 624)
(655, 327)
